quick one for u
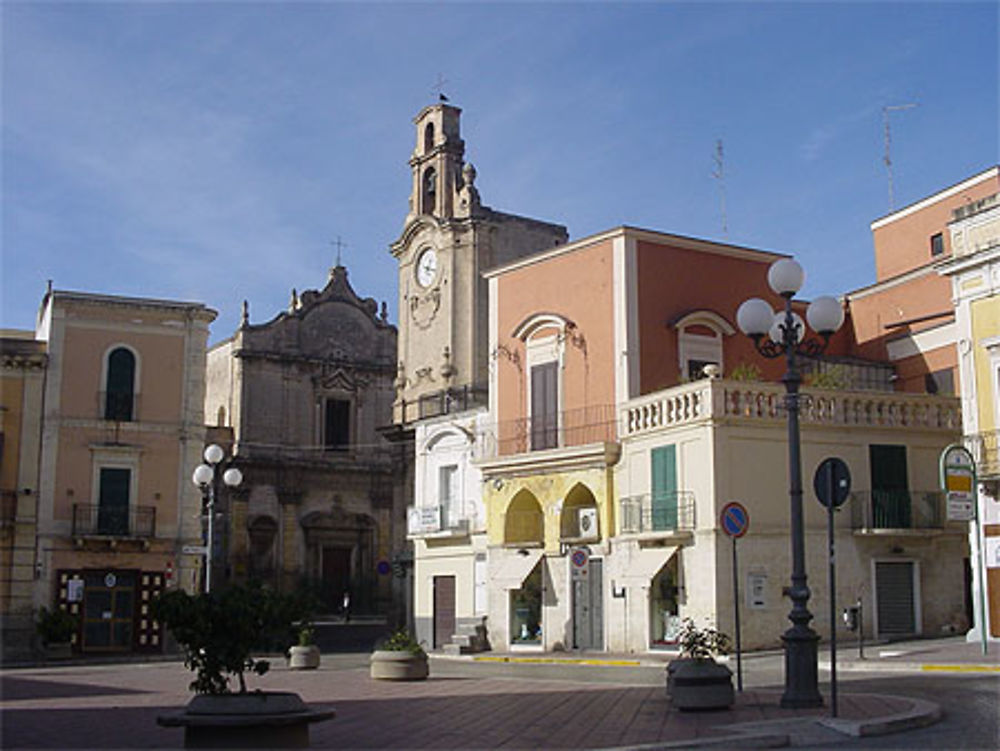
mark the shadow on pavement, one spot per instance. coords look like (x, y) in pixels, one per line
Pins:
(24, 689)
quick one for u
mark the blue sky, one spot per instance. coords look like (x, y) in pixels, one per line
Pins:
(212, 151)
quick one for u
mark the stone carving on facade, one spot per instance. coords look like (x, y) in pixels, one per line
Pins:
(424, 308)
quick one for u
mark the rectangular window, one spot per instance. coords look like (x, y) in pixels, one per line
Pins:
(113, 497)
(448, 493)
(663, 505)
(544, 406)
(937, 245)
(940, 382)
(337, 425)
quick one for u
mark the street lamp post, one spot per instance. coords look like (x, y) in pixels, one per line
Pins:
(205, 477)
(784, 334)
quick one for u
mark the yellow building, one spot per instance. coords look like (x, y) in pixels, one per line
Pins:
(974, 269)
(22, 373)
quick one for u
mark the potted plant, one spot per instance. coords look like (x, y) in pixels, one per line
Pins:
(219, 632)
(399, 658)
(696, 680)
(56, 629)
(305, 654)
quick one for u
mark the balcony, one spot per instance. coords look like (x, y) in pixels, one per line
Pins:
(659, 515)
(985, 449)
(898, 510)
(136, 522)
(575, 427)
(444, 520)
(758, 402)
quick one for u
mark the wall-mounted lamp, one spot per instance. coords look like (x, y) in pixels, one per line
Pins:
(523, 552)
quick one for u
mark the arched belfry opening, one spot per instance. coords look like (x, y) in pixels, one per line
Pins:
(429, 138)
(429, 197)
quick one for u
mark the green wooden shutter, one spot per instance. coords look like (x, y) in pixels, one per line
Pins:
(112, 512)
(664, 487)
(890, 489)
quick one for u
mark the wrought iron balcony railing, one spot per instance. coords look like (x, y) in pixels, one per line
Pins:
(94, 520)
(898, 509)
(657, 512)
(574, 427)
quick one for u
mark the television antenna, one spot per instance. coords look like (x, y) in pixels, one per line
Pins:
(888, 142)
(719, 174)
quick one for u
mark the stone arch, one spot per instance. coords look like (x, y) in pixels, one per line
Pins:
(524, 522)
(579, 497)
(262, 531)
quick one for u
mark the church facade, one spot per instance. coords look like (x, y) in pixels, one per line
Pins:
(297, 401)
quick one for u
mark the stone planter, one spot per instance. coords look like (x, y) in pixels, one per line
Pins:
(303, 658)
(398, 666)
(261, 719)
(700, 684)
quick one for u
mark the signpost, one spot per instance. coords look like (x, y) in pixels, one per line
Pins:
(735, 520)
(832, 483)
(958, 480)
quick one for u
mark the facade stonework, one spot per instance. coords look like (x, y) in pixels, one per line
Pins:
(302, 397)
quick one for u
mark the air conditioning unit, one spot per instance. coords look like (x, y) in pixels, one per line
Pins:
(587, 523)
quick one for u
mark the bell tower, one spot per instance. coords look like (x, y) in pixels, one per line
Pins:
(449, 238)
(436, 162)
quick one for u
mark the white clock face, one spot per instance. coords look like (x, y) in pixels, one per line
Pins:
(427, 265)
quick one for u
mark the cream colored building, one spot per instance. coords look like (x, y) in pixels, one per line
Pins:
(121, 433)
(974, 271)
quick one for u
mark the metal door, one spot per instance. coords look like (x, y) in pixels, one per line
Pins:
(588, 606)
(895, 598)
(444, 610)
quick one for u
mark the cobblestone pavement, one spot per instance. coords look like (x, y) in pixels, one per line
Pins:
(115, 706)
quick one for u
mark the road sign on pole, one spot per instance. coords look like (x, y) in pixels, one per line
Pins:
(735, 520)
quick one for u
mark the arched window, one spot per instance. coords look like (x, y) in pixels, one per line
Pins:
(119, 396)
(429, 138)
(430, 191)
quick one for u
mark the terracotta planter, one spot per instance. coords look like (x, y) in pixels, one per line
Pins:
(303, 658)
(398, 666)
(700, 684)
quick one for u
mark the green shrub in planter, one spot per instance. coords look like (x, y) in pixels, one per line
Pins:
(56, 626)
(218, 631)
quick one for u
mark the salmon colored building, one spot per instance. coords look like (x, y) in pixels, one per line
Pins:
(626, 410)
(121, 432)
(906, 317)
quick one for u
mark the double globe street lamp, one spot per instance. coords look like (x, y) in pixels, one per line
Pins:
(784, 334)
(205, 478)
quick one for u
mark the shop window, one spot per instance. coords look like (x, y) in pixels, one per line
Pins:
(664, 599)
(526, 609)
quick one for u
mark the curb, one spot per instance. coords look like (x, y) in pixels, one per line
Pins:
(732, 740)
(921, 714)
(883, 666)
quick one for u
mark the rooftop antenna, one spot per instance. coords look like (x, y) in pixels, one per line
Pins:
(719, 174)
(888, 141)
(338, 244)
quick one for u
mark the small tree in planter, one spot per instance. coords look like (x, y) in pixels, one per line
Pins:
(399, 658)
(696, 680)
(218, 632)
(56, 629)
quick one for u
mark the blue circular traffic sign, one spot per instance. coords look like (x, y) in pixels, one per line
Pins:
(734, 519)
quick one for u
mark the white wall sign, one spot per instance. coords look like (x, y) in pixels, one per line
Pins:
(992, 552)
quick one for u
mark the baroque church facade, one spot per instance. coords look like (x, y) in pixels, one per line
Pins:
(297, 402)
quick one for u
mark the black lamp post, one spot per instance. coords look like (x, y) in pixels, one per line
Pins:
(784, 334)
(204, 477)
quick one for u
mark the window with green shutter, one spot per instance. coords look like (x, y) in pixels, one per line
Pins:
(663, 461)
